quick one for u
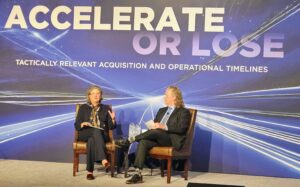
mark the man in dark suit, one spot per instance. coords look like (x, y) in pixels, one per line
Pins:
(169, 129)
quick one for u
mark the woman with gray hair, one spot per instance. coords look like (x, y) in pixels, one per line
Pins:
(91, 121)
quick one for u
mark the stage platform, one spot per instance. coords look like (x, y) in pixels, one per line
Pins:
(36, 173)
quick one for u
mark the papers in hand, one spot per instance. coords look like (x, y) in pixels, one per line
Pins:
(150, 124)
(95, 127)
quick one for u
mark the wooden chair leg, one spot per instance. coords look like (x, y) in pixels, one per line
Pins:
(169, 170)
(75, 163)
(162, 168)
(186, 169)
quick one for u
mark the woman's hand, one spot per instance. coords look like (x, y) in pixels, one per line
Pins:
(112, 115)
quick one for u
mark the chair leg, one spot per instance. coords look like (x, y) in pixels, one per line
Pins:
(162, 168)
(186, 169)
(169, 170)
(75, 163)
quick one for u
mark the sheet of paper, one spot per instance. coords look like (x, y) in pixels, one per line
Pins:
(95, 127)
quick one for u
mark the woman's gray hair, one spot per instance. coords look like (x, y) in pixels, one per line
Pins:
(90, 89)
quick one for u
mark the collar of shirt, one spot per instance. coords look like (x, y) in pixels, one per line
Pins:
(170, 109)
(90, 105)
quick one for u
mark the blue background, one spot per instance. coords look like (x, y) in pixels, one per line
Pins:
(247, 123)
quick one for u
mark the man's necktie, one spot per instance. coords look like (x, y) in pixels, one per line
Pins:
(164, 120)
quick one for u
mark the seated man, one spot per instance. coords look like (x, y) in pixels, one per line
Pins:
(169, 129)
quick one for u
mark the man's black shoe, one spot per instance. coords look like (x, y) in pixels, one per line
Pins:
(123, 143)
(136, 178)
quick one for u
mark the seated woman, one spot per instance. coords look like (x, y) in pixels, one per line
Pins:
(92, 121)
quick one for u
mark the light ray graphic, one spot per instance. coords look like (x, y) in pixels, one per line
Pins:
(31, 41)
(137, 103)
(13, 131)
(247, 111)
(14, 128)
(141, 120)
(152, 101)
(220, 125)
(30, 132)
(284, 156)
(278, 93)
(284, 136)
(25, 94)
(286, 13)
(253, 135)
(47, 42)
(48, 56)
(264, 96)
(264, 112)
(46, 98)
(251, 119)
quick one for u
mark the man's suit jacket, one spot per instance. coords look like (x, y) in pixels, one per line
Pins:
(84, 114)
(177, 124)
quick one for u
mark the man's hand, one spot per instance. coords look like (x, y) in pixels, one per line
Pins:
(158, 126)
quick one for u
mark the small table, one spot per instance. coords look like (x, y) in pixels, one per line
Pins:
(125, 163)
